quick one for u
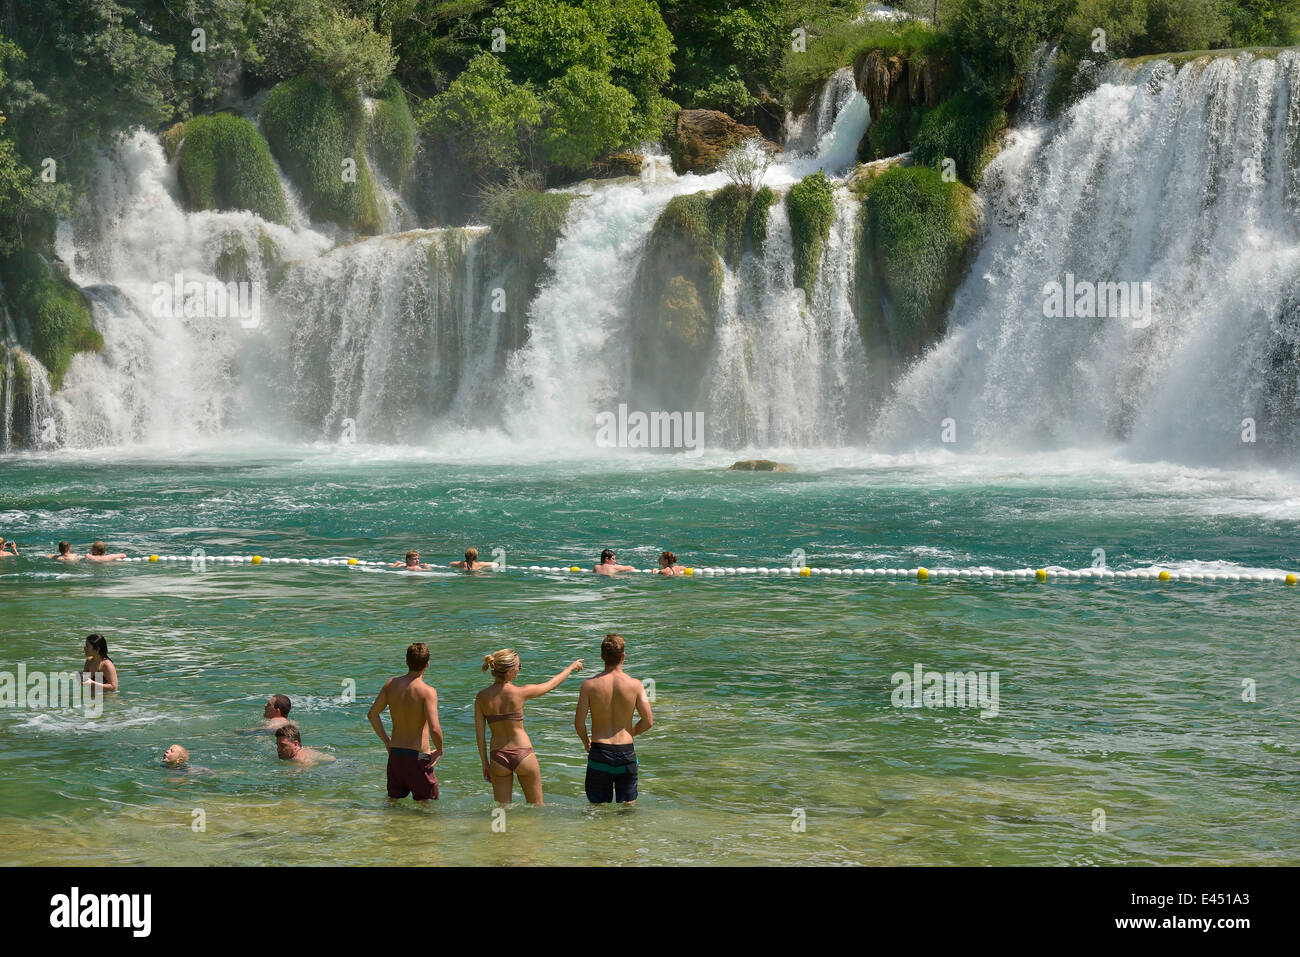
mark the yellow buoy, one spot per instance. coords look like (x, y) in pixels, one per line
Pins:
(689, 571)
(257, 559)
(574, 568)
(805, 571)
(153, 558)
(923, 573)
(1041, 574)
(1164, 576)
(351, 561)
(1291, 579)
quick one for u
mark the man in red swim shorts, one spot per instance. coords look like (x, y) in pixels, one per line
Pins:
(413, 707)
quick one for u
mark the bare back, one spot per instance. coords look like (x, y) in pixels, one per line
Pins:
(612, 698)
(409, 702)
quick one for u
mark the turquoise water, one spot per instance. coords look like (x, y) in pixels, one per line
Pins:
(771, 694)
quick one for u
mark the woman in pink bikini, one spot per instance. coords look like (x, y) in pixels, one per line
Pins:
(501, 706)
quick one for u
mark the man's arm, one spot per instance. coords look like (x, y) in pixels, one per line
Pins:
(643, 709)
(377, 709)
(435, 729)
(580, 718)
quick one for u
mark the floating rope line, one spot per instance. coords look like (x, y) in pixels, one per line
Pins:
(917, 574)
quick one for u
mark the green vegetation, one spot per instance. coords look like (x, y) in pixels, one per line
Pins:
(317, 135)
(916, 238)
(392, 131)
(225, 164)
(835, 44)
(965, 129)
(1186, 28)
(484, 118)
(756, 218)
(55, 309)
(526, 220)
(811, 205)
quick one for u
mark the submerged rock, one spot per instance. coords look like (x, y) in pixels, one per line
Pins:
(760, 465)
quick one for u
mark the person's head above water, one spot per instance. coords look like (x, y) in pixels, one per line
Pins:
(471, 556)
(176, 756)
(667, 558)
(99, 548)
(64, 548)
(417, 656)
(95, 644)
(613, 650)
(277, 706)
(412, 558)
(288, 741)
(503, 664)
(606, 557)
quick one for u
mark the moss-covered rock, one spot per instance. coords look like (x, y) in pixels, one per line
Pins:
(678, 287)
(172, 138)
(917, 238)
(526, 225)
(225, 164)
(55, 310)
(756, 218)
(318, 136)
(392, 133)
(965, 129)
(811, 206)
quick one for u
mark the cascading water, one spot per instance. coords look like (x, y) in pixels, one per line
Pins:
(782, 372)
(375, 336)
(1185, 180)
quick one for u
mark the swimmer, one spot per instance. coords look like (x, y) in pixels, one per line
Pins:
(668, 565)
(176, 758)
(65, 554)
(412, 563)
(609, 565)
(471, 562)
(4, 546)
(276, 711)
(99, 553)
(99, 668)
(288, 745)
(611, 697)
(501, 705)
(413, 708)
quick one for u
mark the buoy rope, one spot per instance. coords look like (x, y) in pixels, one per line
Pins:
(1053, 573)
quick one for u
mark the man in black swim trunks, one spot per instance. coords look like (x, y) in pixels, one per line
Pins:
(612, 696)
(413, 706)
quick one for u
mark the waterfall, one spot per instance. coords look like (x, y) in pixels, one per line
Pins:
(1186, 180)
(789, 369)
(27, 416)
(781, 371)
(376, 336)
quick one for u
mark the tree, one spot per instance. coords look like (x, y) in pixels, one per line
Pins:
(484, 117)
(586, 115)
(746, 164)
